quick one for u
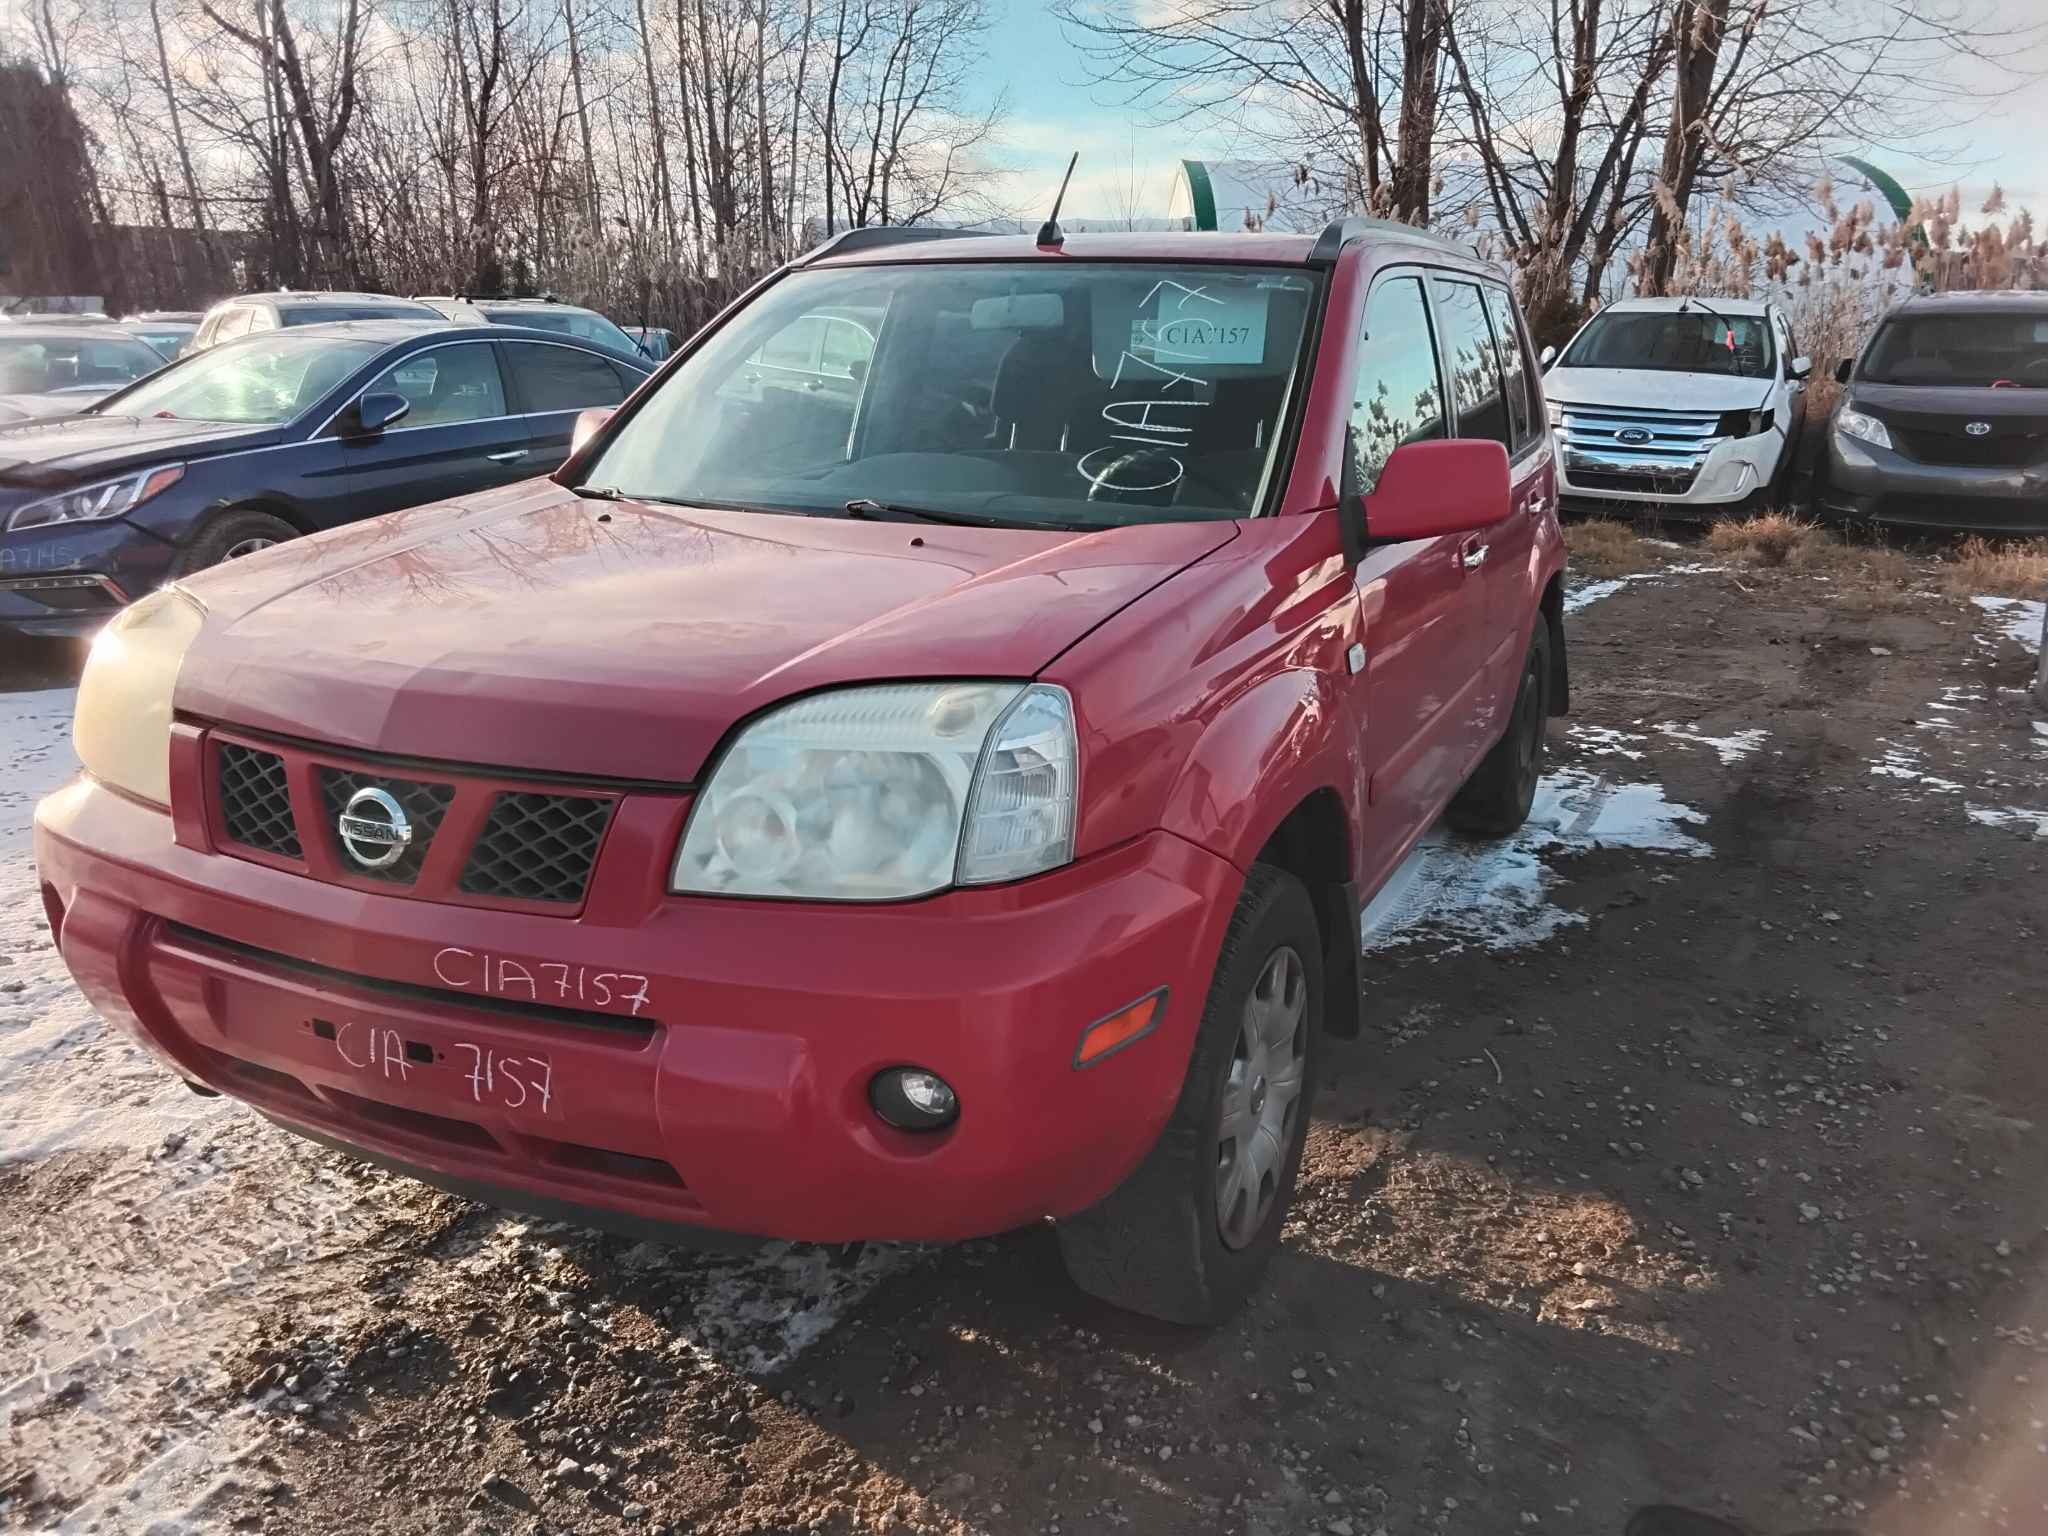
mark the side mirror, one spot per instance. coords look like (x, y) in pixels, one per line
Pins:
(588, 424)
(376, 412)
(1455, 485)
(1842, 370)
(1546, 357)
(1801, 368)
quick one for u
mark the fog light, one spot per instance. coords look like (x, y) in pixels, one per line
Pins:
(913, 1100)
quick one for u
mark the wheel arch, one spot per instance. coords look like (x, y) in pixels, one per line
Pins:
(1313, 843)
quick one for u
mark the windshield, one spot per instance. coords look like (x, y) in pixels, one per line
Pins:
(1675, 341)
(43, 364)
(584, 324)
(1961, 351)
(258, 382)
(1084, 395)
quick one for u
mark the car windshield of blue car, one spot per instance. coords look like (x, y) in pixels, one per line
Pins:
(1675, 341)
(263, 381)
(1088, 394)
(1961, 351)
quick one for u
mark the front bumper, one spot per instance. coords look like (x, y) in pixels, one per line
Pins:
(1869, 484)
(1731, 471)
(505, 1051)
(67, 581)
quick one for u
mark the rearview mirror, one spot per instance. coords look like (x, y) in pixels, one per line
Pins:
(376, 412)
(1842, 370)
(588, 424)
(1802, 367)
(1454, 485)
(1546, 357)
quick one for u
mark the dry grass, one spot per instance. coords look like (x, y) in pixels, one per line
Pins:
(1769, 540)
(2017, 568)
(1606, 549)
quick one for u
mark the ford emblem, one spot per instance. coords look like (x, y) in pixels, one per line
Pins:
(1978, 428)
(374, 828)
(1632, 435)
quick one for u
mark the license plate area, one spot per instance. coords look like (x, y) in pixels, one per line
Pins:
(515, 1080)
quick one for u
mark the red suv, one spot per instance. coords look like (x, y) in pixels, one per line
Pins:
(914, 771)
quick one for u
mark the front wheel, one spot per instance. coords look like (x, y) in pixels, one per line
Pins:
(231, 535)
(1187, 1235)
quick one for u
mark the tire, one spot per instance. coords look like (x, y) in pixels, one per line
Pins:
(230, 535)
(1496, 799)
(1165, 1243)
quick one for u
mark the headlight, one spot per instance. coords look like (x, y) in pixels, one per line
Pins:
(884, 792)
(1853, 423)
(1747, 423)
(123, 728)
(95, 503)
(1556, 412)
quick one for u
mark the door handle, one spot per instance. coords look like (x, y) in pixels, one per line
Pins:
(506, 457)
(1473, 557)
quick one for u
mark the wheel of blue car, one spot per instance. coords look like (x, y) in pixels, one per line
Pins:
(232, 535)
(1188, 1234)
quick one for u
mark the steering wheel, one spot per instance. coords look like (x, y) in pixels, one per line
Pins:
(2036, 367)
(1145, 476)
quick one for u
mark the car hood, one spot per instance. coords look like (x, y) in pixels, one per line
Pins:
(1936, 406)
(1654, 390)
(62, 402)
(531, 630)
(72, 449)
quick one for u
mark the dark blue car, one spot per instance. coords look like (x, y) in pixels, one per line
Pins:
(230, 450)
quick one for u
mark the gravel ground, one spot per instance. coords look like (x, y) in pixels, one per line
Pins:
(1690, 1154)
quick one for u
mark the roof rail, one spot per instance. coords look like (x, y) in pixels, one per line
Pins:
(878, 236)
(1341, 232)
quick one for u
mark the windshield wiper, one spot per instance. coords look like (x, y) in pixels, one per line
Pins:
(867, 506)
(598, 492)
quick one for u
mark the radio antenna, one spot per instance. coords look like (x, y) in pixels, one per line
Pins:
(1050, 235)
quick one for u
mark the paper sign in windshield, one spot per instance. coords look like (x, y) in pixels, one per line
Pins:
(1203, 325)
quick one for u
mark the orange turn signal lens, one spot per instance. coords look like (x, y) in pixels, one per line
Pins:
(1108, 1036)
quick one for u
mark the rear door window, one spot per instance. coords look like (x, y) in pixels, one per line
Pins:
(232, 324)
(551, 378)
(1500, 308)
(1398, 396)
(1471, 361)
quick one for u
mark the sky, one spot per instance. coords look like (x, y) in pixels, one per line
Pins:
(1126, 158)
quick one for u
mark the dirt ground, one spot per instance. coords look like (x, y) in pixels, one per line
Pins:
(1691, 1153)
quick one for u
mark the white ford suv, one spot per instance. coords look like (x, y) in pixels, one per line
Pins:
(1689, 405)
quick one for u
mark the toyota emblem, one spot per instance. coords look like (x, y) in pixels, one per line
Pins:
(1632, 435)
(1978, 428)
(374, 828)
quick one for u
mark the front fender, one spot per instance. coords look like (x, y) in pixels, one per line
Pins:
(1260, 756)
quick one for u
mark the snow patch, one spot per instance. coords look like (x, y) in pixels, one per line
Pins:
(1599, 741)
(1730, 749)
(2018, 618)
(1592, 592)
(2010, 816)
(1495, 894)
(1897, 763)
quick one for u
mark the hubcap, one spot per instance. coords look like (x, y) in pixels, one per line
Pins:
(247, 547)
(1260, 1097)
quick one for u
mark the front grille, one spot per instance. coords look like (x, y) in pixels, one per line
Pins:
(509, 841)
(2004, 450)
(1664, 483)
(537, 847)
(256, 801)
(424, 805)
